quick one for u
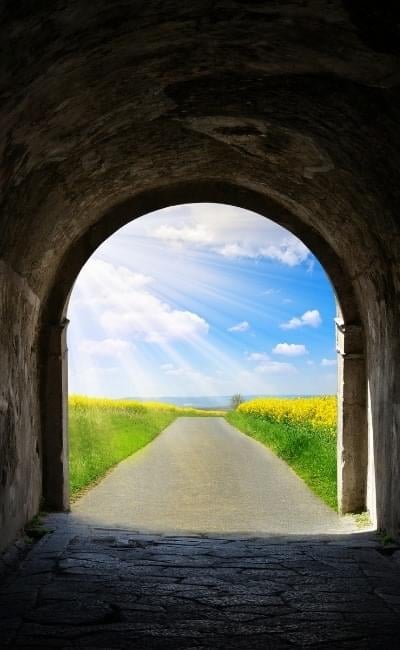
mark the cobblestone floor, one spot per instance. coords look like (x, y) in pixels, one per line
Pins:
(104, 588)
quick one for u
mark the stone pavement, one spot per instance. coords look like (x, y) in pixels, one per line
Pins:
(84, 587)
(204, 475)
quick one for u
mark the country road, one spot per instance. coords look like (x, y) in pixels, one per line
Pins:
(203, 475)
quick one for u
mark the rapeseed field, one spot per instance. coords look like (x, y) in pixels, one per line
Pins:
(314, 411)
(104, 431)
(301, 431)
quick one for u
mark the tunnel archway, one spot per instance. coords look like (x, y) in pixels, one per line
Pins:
(116, 109)
(352, 393)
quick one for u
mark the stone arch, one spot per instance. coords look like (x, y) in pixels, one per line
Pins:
(352, 392)
(107, 107)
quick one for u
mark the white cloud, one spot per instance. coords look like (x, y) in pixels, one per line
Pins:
(290, 349)
(289, 251)
(128, 308)
(291, 324)
(106, 347)
(310, 363)
(190, 376)
(234, 250)
(328, 362)
(258, 356)
(231, 232)
(197, 233)
(267, 366)
(240, 327)
(167, 366)
(154, 321)
(312, 318)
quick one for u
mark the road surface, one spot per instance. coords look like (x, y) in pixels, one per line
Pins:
(203, 475)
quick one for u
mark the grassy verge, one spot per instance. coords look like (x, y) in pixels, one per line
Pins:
(309, 450)
(102, 432)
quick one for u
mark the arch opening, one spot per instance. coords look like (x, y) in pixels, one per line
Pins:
(352, 401)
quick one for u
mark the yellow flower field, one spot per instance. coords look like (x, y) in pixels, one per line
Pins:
(302, 431)
(317, 411)
(128, 406)
(104, 431)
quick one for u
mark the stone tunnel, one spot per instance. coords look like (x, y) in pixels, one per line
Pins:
(111, 110)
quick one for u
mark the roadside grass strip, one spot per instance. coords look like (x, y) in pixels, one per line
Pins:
(103, 432)
(301, 431)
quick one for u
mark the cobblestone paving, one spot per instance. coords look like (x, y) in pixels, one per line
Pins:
(94, 588)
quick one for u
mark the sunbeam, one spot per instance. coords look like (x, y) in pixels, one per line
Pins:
(201, 299)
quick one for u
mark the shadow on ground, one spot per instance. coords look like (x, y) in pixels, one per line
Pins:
(94, 587)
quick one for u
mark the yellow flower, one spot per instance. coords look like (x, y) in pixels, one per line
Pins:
(96, 405)
(317, 411)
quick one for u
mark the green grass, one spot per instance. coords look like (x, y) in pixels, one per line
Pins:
(363, 519)
(309, 450)
(100, 441)
(104, 432)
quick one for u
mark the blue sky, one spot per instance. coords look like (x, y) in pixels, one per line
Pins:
(201, 299)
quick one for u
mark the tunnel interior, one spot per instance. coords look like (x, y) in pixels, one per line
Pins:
(111, 111)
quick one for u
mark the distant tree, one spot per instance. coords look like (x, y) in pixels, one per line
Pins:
(236, 400)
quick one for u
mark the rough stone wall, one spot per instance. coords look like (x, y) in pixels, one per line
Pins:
(20, 475)
(297, 102)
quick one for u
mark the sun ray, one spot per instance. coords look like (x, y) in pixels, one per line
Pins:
(159, 301)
